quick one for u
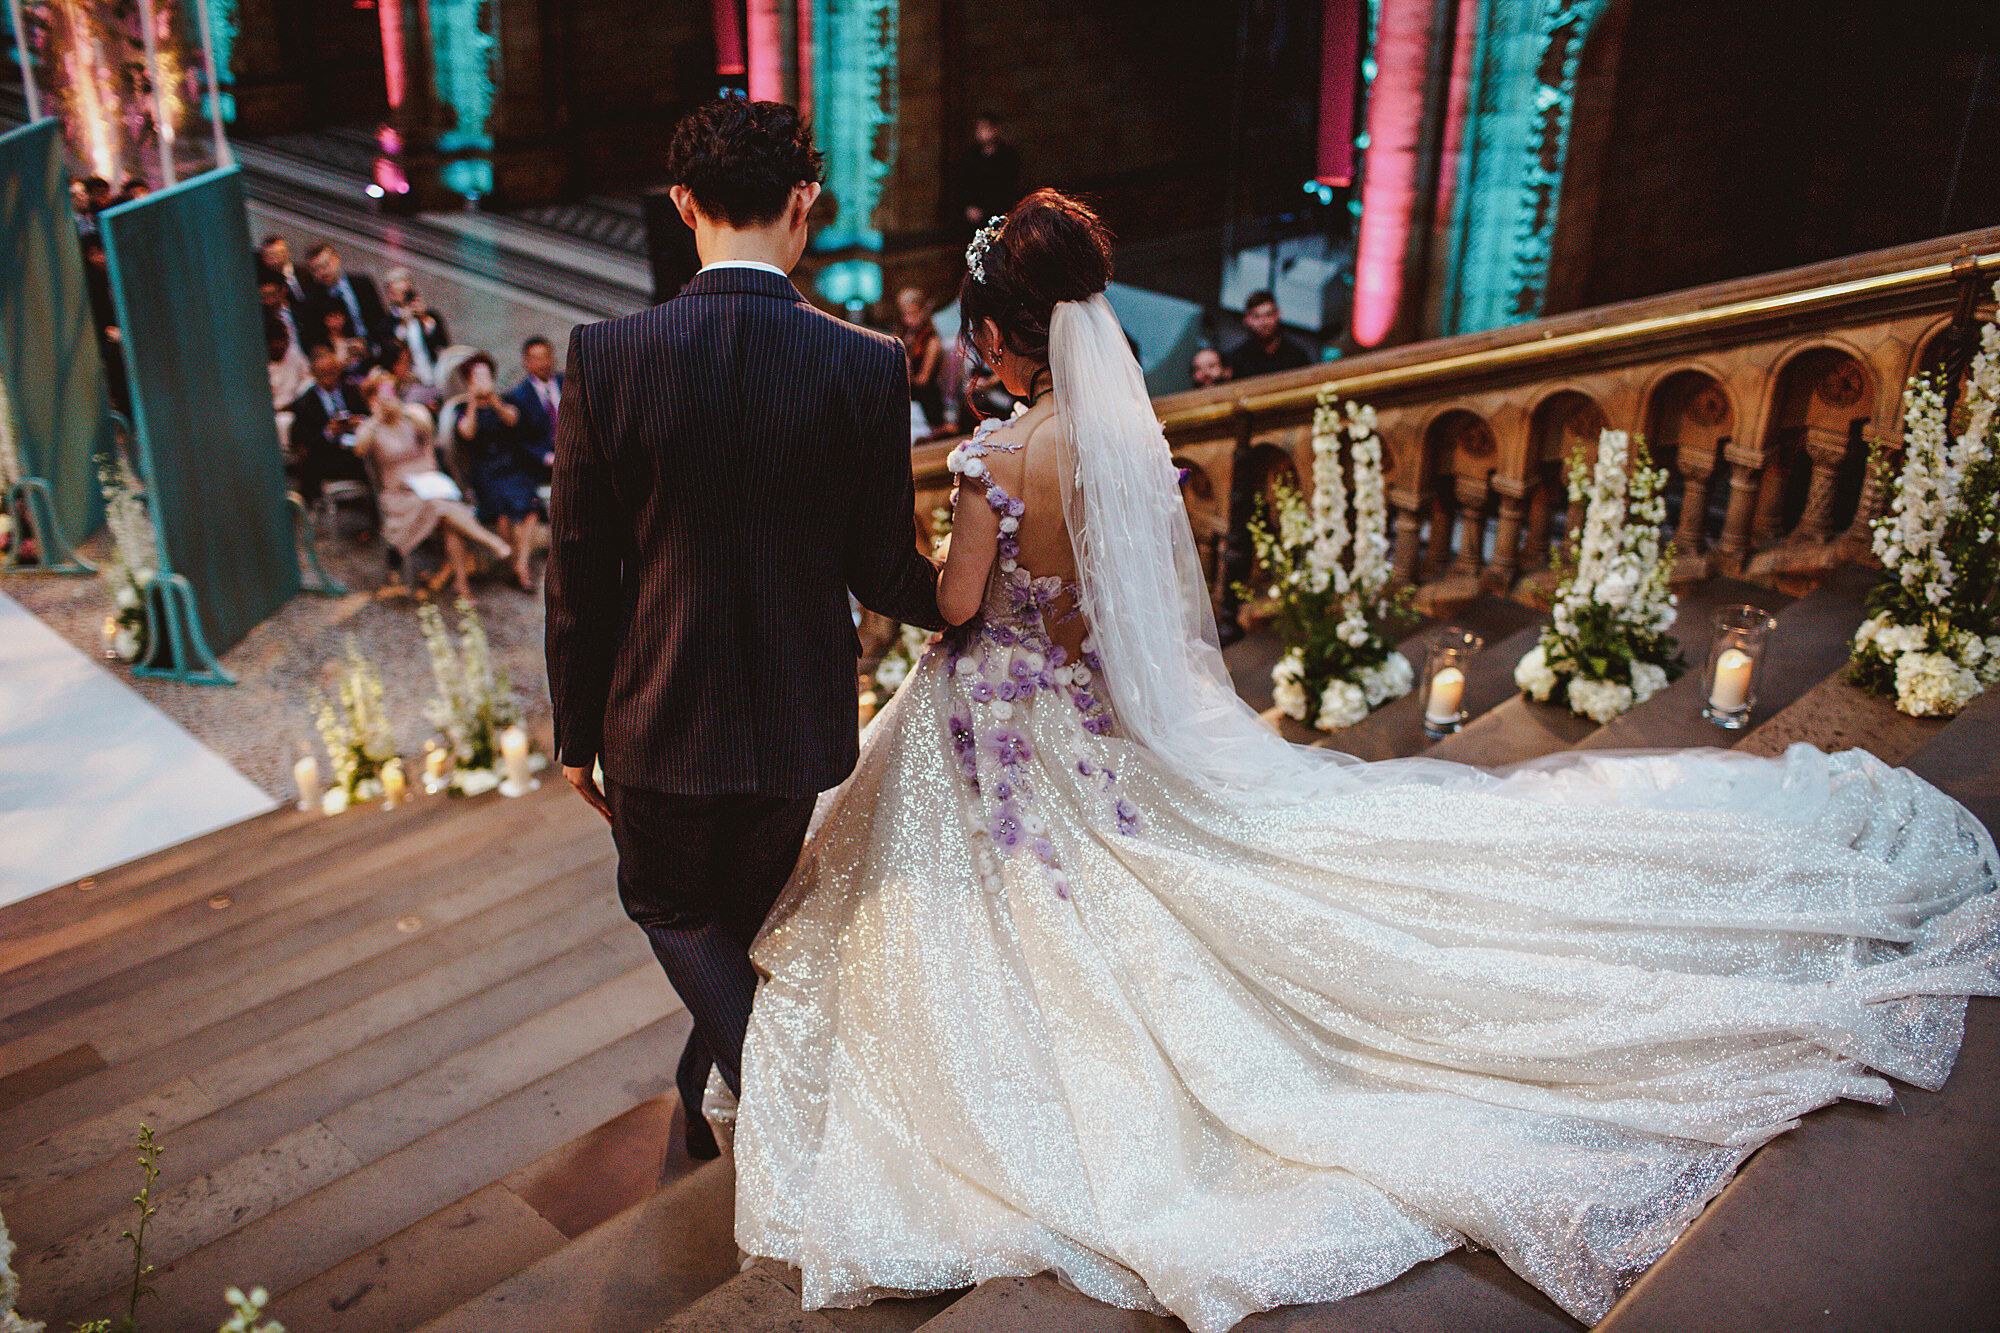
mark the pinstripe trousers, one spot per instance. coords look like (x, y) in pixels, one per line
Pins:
(699, 874)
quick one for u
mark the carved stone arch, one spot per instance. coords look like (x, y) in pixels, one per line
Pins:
(1459, 455)
(1689, 422)
(1563, 423)
(1926, 352)
(1823, 398)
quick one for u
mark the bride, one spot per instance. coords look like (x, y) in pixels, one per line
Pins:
(1085, 971)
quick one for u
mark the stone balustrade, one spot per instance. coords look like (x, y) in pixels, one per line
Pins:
(1760, 397)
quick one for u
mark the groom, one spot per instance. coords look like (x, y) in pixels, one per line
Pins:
(728, 465)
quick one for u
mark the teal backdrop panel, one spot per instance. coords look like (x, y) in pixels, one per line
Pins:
(48, 347)
(201, 400)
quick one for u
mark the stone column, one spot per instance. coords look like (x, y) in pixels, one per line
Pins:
(1506, 566)
(1744, 479)
(1403, 543)
(1437, 553)
(1873, 501)
(1471, 526)
(1535, 542)
(1827, 449)
(1770, 505)
(1696, 469)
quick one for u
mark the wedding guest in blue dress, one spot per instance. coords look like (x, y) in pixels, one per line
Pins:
(506, 473)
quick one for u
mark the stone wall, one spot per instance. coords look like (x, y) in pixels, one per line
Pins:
(1724, 139)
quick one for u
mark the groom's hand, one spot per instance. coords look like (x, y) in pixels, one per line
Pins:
(585, 783)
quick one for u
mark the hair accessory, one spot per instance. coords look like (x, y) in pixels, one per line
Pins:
(975, 254)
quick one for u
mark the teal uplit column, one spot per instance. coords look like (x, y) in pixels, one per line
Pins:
(854, 107)
(463, 41)
(1509, 192)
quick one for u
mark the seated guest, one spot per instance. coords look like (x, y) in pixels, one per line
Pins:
(1266, 347)
(89, 197)
(925, 354)
(281, 308)
(336, 334)
(276, 253)
(537, 398)
(1209, 368)
(415, 495)
(353, 293)
(419, 328)
(411, 388)
(505, 467)
(291, 373)
(322, 418)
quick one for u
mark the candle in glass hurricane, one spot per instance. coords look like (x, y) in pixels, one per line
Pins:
(306, 774)
(514, 752)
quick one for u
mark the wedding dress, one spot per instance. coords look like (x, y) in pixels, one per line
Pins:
(1080, 974)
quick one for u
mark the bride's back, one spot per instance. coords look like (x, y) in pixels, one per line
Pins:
(1026, 463)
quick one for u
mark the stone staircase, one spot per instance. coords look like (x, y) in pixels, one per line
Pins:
(412, 1070)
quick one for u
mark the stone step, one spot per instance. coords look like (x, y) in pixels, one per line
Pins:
(1521, 729)
(223, 1128)
(93, 1117)
(764, 1298)
(364, 1207)
(1808, 647)
(224, 936)
(1863, 1216)
(1492, 618)
(1396, 729)
(1834, 715)
(272, 1149)
(630, 1273)
(180, 993)
(465, 1250)
(101, 938)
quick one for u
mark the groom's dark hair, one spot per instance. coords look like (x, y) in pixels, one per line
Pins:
(741, 160)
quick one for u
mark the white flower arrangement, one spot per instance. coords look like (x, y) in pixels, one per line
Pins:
(135, 555)
(1606, 646)
(1329, 561)
(355, 730)
(896, 666)
(1934, 641)
(474, 703)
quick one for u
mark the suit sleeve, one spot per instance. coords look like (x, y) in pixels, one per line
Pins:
(884, 568)
(585, 574)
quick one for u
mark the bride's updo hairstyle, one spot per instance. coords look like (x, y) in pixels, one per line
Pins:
(1051, 249)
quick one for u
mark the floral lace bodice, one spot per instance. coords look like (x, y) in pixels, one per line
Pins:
(1014, 689)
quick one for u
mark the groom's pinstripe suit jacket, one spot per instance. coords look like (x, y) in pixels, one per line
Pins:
(728, 464)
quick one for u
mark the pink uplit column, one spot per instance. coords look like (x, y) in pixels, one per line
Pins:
(729, 60)
(1389, 182)
(1339, 63)
(767, 50)
(390, 15)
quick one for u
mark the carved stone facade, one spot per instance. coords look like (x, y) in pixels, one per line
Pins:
(1760, 397)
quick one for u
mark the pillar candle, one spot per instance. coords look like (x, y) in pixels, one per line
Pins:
(434, 761)
(306, 773)
(1447, 694)
(1732, 681)
(514, 751)
(393, 783)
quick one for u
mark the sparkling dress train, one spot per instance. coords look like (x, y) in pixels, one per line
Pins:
(1036, 1002)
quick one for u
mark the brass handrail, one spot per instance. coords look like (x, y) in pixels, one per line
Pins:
(1550, 346)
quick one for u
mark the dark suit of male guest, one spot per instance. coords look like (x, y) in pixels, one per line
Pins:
(537, 427)
(728, 465)
(322, 459)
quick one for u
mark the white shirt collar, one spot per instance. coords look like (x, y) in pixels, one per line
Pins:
(747, 263)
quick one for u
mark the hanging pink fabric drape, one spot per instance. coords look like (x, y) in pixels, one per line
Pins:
(1388, 186)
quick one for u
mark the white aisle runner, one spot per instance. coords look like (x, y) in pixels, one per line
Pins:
(91, 775)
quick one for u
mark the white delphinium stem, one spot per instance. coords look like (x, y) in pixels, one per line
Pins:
(1906, 537)
(1604, 517)
(1371, 510)
(1329, 500)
